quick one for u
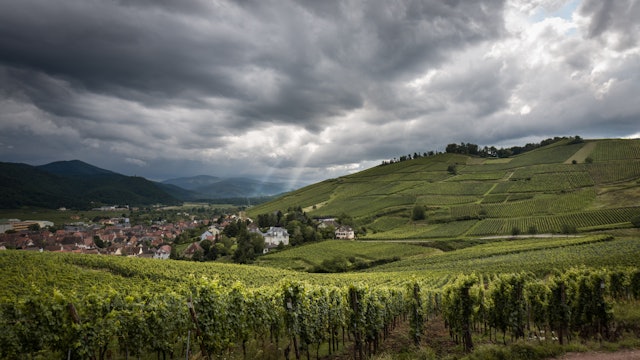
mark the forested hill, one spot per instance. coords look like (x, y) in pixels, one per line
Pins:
(74, 184)
(564, 187)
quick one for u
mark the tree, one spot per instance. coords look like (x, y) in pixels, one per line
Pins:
(345, 219)
(257, 241)
(294, 228)
(34, 227)
(250, 245)
(576, 140)
(98, 241)
(451, 148)
(174, 254)
(231, 230)
(418, 213)
(452, 169)
(327, 232)
(198, 255)
(568, 229)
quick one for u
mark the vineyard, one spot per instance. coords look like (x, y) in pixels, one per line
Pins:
(93, 307)
(548, 184)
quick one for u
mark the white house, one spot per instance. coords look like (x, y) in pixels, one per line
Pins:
(274, 236)
(345, 232)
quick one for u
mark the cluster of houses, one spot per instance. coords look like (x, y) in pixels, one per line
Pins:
(109, 237)
(343, 232)
(117, 236)
(275, 236)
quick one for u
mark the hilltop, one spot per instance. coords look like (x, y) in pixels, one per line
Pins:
(563, 187)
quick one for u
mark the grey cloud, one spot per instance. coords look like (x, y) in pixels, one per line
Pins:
(191, 86)
(326, 55)
(613, 16)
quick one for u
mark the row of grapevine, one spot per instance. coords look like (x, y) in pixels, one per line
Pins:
(530, 171)
(451, 188)
(479, 176)
(556, 153)
(613, 171)
(537, 205)
(616, 149)
(217, 320)
(556, 223)
(577, 302)
(296, 318)
(430, 200)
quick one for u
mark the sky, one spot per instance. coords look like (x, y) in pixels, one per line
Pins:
(303, 91)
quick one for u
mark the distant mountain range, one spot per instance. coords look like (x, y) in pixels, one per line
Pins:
(76, 184)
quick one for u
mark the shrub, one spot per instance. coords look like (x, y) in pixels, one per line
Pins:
(418, 213)
(568, 229)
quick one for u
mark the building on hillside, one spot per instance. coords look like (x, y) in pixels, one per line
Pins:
(192, 249)
(327, 222)
(275, 236)
(345, 232)
(164, 252)
(212, 234)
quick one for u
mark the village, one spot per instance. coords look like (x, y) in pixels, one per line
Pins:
(117, 236)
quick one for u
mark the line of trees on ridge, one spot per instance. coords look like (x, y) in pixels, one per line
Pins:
(486, 151)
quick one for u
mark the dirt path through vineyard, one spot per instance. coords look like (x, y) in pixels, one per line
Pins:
(619, 355)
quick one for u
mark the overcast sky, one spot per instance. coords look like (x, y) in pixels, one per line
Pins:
(302, 91)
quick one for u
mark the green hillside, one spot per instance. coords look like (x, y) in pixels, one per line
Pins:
(74, 184)
(558, 188)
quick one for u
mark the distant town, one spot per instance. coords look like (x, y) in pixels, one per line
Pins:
(189, 238)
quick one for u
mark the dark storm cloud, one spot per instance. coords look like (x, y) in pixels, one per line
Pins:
(323, 56)
(311, 87)
(619, 17)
